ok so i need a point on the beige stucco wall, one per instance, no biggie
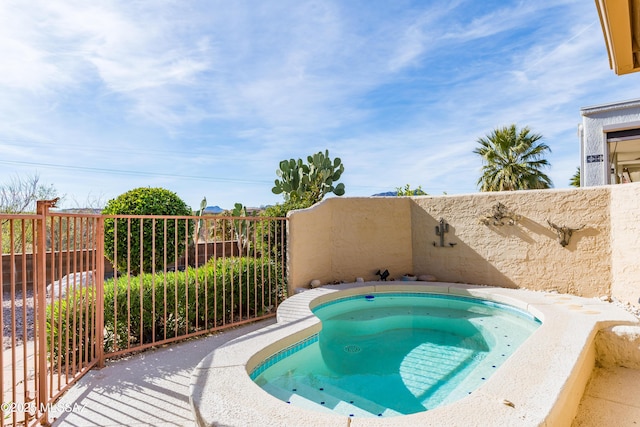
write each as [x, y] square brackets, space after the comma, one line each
[625, 242]
[344, 238]
[525, 255]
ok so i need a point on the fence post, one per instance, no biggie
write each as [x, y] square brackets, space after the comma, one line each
[98, 284]
[40, 285]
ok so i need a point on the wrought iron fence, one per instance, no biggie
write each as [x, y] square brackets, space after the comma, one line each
[32, 322]
[173, 278]
[189, 276]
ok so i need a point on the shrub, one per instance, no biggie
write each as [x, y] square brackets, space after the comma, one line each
[271, 238]
[173, 304]
[178, 303]
[146, 201]
[70, 328]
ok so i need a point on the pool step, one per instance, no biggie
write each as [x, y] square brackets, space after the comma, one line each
[329, 399]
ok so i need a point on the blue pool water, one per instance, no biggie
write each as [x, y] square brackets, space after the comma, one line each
[395, 354]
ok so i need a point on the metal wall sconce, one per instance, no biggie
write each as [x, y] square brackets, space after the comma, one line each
[564, 233]
[441, 229]
[500, 215]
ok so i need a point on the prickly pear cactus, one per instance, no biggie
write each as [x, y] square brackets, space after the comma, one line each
[311, 181]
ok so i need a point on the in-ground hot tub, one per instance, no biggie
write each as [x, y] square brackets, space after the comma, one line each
[540, 383]
[389, 354]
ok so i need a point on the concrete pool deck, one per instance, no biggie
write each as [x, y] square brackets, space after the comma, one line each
[542, 383]
[152, 389]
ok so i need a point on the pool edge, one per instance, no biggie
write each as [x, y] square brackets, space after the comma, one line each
[541, 360]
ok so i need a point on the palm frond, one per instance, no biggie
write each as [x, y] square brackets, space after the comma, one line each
[513, 160]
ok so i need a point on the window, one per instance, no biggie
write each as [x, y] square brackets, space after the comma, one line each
[624, 155]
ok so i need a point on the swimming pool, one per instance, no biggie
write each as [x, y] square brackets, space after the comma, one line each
[388, 354]
[540, 384]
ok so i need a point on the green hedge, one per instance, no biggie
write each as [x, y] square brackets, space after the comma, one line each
[220, 292]
[196, 299]
[71, 315]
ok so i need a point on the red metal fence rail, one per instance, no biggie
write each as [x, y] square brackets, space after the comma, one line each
[69, 310]
[33, 329]
[173, 278]
[18, 348]
[181, 282]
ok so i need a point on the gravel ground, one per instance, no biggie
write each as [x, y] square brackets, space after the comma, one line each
[627, 306]
[20, 320]
[635, 310]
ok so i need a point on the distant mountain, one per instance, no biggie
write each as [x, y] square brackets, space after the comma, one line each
[395, 193]
[213, 209]
[96, 211]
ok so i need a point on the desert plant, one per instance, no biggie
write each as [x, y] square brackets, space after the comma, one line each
[243, 229]
[158, 241]
[199, 223]
[407, 191]
[309, 182]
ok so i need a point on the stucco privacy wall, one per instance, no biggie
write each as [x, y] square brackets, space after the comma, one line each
[526, 254]
[625, 242]
[341, 239]
[344, 238]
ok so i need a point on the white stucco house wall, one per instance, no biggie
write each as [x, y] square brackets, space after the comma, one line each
[610, 143]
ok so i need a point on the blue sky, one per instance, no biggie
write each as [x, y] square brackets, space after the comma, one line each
[205, 98]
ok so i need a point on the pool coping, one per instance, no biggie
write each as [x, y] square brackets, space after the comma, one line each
[541, 384]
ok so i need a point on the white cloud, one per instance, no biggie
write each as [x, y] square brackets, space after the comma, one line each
[501, 20]
[225, 90]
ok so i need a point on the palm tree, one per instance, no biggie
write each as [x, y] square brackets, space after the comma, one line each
[575, 179]
[512, 160]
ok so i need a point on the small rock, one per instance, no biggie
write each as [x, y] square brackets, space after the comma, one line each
[72, 281]
[427, 278]
[315, 283]
[359, 280]
[605, 298]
